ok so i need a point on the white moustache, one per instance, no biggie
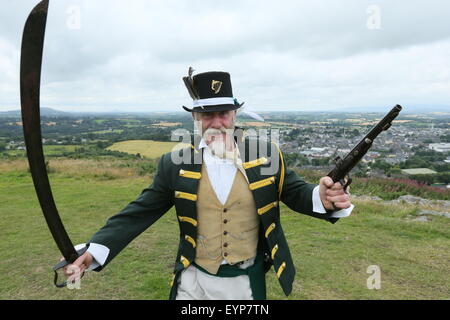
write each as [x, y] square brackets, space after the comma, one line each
[214, 131]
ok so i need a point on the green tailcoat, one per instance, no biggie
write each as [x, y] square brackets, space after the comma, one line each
[177, 184]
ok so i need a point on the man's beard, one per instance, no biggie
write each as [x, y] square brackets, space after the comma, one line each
[219, 140]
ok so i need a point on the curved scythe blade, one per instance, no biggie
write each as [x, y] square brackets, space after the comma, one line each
[30, 76]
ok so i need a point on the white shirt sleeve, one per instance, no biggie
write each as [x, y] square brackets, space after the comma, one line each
[98, 251]
[319, 208]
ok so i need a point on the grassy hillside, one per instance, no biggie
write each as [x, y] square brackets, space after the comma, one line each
[331, 260]
[146, 148]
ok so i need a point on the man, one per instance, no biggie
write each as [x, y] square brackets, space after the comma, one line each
[226, 192]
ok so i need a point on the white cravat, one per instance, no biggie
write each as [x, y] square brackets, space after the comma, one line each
[221, 172]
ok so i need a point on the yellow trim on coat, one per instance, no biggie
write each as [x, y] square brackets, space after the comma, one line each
[280, 184]
[274, 250]
[191, 240]
[261, 183]
[185, 195]
[254, 163]
[281, 269]
[190, 174]
[189, 220]
[269, 229]
[184, 261]
[267, 207]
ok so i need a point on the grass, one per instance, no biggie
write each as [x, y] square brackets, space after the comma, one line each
[146, 148]
[331, 260]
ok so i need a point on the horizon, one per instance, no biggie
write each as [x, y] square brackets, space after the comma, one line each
[415, 110]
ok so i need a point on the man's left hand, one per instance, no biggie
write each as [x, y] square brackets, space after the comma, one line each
[333, 193]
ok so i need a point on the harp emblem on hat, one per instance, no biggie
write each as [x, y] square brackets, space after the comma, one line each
[216, 86]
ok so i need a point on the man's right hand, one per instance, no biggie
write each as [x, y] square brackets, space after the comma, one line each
[78, 266]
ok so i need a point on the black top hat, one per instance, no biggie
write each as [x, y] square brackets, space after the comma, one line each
[210, 91]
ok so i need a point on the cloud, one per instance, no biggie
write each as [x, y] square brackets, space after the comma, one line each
[9, 77]
[289, 55]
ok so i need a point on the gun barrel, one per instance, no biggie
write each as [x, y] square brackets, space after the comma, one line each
[385, 123]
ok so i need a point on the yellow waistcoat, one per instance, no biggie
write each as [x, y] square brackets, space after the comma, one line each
[228, 231]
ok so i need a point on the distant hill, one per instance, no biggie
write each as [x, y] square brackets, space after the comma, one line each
[411, 109]
[50, 112]
[47, 112]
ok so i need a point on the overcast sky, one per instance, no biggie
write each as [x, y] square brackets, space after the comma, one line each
[102, 55]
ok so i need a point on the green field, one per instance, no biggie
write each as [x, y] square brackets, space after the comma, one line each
[48, 150]
[331, 260]
[146, 148]
[107, 131]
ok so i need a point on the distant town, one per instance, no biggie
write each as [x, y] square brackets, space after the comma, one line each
[416, 146]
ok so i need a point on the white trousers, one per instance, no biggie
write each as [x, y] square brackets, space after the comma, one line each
[197, 285]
